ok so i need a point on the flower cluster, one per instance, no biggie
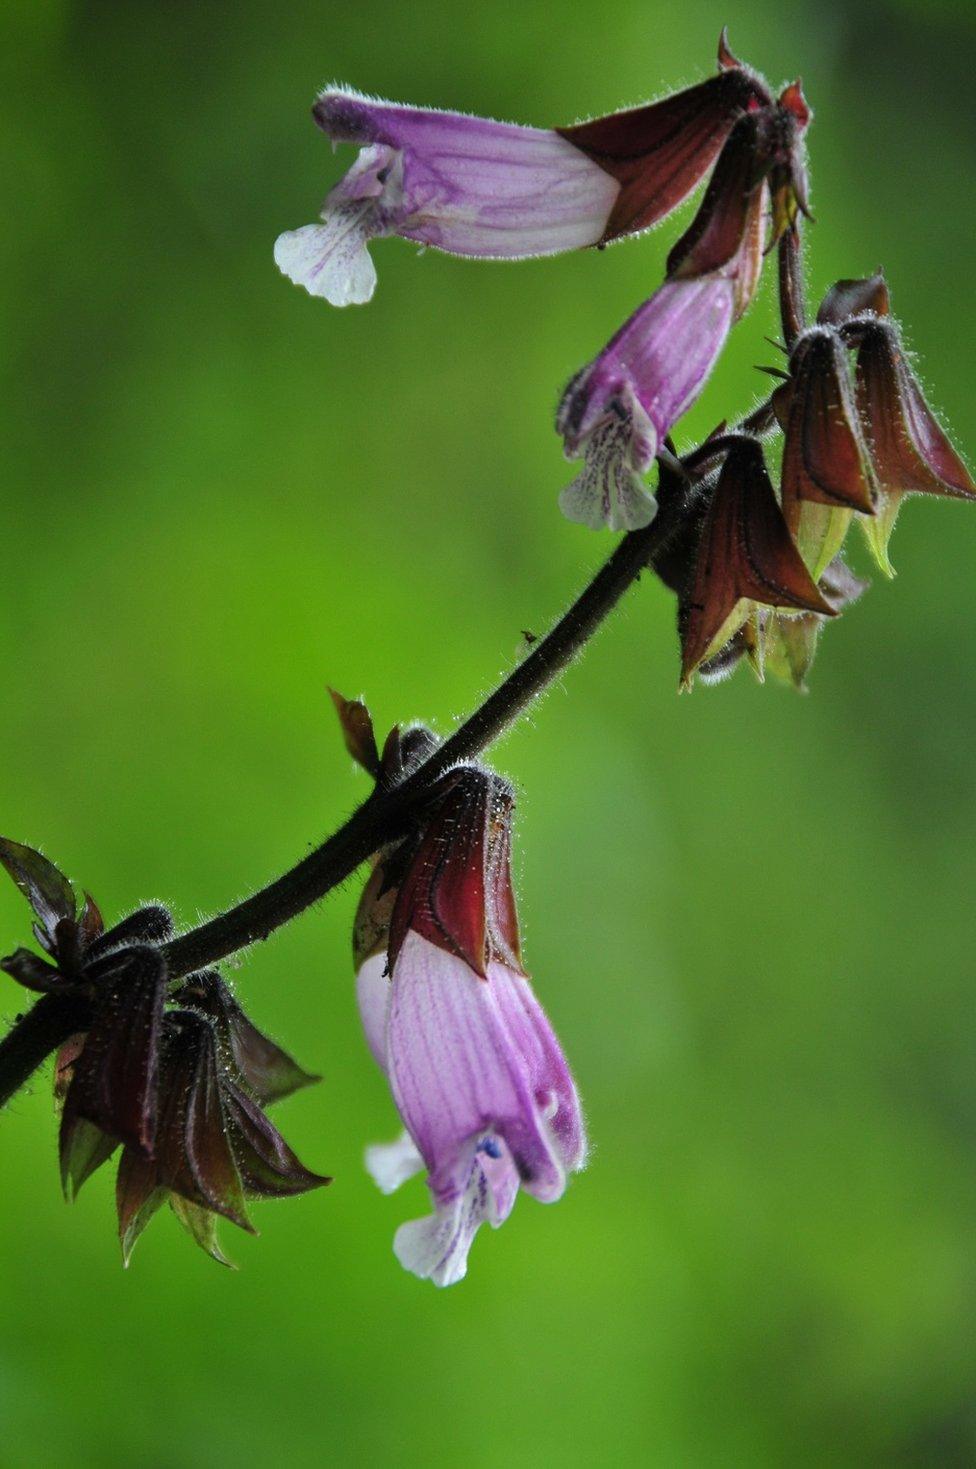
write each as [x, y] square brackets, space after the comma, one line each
[858, 437]
[155, 1059]
[174, 1075]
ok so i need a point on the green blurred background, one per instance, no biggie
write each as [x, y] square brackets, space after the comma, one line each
[749, 912]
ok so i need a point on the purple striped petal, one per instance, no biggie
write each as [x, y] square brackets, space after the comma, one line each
[616, 412]
[465, 185]
[457, 1072]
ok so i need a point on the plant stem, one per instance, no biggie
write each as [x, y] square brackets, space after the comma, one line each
[387, 813]
[47, 1025]
[792, 293]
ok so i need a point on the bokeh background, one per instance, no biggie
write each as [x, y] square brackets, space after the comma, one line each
[749, 912]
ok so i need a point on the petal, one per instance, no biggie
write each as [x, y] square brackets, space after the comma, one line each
[549, 1073]
[436, 1248]
[373, 990]
[390, 1164]
[608, 492]
[472, 186]
[330, 259]
[659, 360]
[456, 1072]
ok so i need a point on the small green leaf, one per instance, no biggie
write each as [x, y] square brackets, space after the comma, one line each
[201, 1225]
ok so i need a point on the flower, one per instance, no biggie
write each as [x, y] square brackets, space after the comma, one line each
[465, 185]
[476, 1072]
[471, 186]
[615, 413]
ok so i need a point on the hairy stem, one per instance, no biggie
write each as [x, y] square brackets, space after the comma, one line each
[792, 293]
[387, 813]
[47, 1025]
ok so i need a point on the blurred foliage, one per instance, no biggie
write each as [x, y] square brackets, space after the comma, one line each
[750, 913]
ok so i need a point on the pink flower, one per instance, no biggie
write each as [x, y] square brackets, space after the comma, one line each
[477, 1074]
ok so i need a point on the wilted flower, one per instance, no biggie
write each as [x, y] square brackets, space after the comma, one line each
[476, 1072]
[178, 1079]
[616, 412]
[471, 186]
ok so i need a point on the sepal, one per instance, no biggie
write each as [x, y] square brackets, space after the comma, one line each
[659, 153]
[267, 1070]
[456, 890]
[744, 554]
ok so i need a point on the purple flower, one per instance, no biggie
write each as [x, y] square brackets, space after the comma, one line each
[466, 185]
[616, 412]
[476, 1072]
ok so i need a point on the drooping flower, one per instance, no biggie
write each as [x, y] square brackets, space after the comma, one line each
[476, 1072]
[471, 186]
[615, 413]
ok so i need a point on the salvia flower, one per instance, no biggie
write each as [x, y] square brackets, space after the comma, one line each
[466, 185]
[177, 1078]
[471, 186]
[615, 413]
[477, 1075]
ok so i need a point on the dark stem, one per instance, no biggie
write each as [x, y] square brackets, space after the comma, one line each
[387, 813]
[792, 292]
[47, 1025]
